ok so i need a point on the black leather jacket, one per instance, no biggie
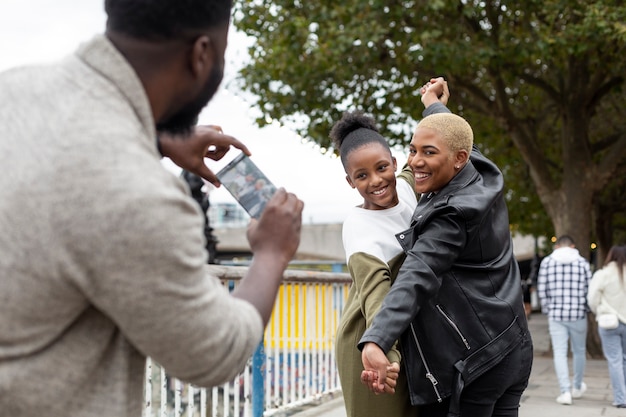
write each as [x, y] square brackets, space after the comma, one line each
[456, 304]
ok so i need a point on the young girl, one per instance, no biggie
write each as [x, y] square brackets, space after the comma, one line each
[373, 256]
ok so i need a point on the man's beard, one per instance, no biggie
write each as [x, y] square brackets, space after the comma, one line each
[182, 122]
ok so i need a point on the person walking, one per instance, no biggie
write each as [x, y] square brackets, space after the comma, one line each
[562, 287]
[607, 295]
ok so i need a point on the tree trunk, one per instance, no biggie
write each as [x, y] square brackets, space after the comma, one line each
[602, 221]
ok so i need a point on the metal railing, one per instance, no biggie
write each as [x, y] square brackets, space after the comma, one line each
[293, 366]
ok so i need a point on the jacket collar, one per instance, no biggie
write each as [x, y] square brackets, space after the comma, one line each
[103, 57]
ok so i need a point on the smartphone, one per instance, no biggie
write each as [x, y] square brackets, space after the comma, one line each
[247, 184]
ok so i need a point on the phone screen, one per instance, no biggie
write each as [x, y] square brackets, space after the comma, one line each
[247, 184]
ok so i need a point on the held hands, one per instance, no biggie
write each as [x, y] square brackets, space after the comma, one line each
[379, 375]
[436, 90]
[204, 142]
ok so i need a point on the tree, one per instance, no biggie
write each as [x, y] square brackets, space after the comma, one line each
[608, 214]
[540, 81]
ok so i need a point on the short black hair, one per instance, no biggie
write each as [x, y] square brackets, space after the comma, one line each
[353, 130]
[160, 20]
[565, 240]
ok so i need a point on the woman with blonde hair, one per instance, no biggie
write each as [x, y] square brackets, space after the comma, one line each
[606, 296]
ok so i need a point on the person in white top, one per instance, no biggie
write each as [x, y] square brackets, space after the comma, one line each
[607, 295]
[373, 254]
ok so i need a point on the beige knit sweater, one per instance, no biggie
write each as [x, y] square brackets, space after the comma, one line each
[101, 249]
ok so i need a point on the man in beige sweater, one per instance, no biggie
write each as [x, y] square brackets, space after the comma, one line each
[102, 249]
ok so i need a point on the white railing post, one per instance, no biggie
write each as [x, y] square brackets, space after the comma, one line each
[147, 411]
[163, 383]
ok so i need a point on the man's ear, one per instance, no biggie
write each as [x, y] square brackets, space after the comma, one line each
[350, 181]
[201, 57]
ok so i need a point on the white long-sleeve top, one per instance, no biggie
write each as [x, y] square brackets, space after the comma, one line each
[607, 294]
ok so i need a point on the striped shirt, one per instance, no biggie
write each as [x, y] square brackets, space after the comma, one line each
[562, 285]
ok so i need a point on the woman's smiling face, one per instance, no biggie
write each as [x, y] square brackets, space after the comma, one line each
[371, 169]
[432, 161]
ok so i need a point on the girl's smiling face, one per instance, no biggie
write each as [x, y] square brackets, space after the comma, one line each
[432, 161]
[371, 169]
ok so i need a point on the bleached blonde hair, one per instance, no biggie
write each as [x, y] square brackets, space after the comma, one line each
[455, 130]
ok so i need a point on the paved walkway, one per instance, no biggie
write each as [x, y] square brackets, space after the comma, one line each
[539, 397]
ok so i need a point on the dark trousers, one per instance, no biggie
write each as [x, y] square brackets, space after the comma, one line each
[497, 392]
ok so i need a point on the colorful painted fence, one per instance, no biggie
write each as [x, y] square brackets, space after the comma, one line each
[295, 365]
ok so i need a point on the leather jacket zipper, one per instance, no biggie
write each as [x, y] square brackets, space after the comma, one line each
[454, 326]
[429, 375]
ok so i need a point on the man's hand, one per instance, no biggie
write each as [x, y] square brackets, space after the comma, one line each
[277, 231]
[436, 90]
[204, 142]
[376, 368]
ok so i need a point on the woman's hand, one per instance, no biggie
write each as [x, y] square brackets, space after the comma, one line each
[375, 364]
[436, 90]
[391, 381]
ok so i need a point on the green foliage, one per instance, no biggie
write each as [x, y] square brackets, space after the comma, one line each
[541, 82]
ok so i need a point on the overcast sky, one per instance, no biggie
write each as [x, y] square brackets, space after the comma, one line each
[34, 31]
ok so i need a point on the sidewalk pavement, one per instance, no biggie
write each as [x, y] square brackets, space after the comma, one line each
[539, 399]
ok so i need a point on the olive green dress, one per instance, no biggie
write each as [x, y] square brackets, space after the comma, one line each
[374, 257]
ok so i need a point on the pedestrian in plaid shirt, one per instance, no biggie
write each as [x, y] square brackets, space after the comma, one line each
[562, 288]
